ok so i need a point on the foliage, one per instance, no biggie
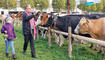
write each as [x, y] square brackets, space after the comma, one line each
[12, 4]
[103, 6]
[58, 4]
[100, 6]
[42, 4]
[62, 4]
[94, 8]
[23, 3]
[8, 4]
[97, 7]
[72, 4]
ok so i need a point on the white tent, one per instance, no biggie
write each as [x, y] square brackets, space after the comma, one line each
[19, 9]
[4, 11]
[78, 10]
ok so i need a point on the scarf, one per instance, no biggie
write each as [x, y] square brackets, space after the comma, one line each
[32, 24]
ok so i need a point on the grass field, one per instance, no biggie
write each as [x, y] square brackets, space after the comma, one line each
[45, 53]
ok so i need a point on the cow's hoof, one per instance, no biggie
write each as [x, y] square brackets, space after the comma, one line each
[91, 47]
[99, 51]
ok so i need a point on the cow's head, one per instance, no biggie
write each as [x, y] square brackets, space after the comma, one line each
[82, 27]
[38, 18]
[47, 20]
[38, 14]
[44, 19]
[12, 16]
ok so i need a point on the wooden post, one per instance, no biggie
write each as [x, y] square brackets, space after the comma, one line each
[69, 43]
[37, 32]
[49, 37]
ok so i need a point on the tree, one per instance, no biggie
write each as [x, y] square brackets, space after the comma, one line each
[94, 8]
[59, 4]
[72, 5]
[8, 4]
[103, 6]
[12, 4]
[42, 4]
[1, 3]
[99, 6]
[23, 3]
[83, 7]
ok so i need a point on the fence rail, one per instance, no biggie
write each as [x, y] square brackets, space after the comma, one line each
[69, 34]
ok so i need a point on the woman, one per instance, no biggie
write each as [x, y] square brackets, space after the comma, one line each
[29, 30]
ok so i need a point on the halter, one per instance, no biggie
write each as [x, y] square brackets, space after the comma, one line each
[77, 27]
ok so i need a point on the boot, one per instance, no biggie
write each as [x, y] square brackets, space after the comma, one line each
[24, 52]
[7, 55]
[14, 56]
[34, 56]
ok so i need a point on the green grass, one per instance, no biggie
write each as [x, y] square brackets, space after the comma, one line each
[45, 53]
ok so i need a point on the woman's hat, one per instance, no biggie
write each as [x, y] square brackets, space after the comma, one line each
[9, 18]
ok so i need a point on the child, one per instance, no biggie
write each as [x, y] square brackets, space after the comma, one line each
[8, 29]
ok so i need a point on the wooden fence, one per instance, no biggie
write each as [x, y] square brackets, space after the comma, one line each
[69, 34]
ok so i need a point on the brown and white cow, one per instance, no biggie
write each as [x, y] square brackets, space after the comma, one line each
[94, 27]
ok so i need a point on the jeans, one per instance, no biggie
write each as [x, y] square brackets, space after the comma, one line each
[11, 42]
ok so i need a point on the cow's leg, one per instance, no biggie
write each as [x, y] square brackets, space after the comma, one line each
[45, 33]
[57, 39]
[82, 42]
[104, 53]
[61, 40]
[55, 35]
[42, 32]
[73, 40]
[99, 48]
[18, 22]
[2, 21]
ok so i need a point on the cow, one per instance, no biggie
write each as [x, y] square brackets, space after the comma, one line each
[63, 22]
[2, 18]
[94, 27]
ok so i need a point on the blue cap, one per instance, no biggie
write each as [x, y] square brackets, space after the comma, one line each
[9, 18]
